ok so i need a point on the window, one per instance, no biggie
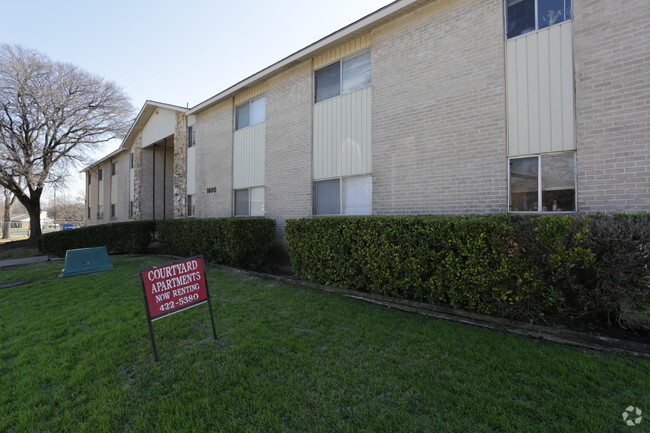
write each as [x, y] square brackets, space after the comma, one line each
[250, 113]
[343, 76]
[100, 175]
[343, 196]
[88, 212]
[131, 209]
[100, 212]
[524, 16]
[191, 136]
[546, 179]
[249, 202]
[89, 178]
[131, 157]
[112, 211]
[113, 168]
[190, 205]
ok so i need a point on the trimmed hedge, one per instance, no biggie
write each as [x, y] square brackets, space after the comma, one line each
[527, 268]
[233, 241]
[125, 237]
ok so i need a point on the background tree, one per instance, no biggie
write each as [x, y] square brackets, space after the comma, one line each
[8, 199]
[51, 113]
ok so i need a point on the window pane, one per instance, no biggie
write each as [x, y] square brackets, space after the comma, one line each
[190, 136]
[553, 11]
[328, 82]
[242, 116]
[357, 195]
[558, 182]
[257, 110]
[327, 197]
[241, 203]
[523, 184]
[257, 201]
[190, 206]
[520, 17]
[356, 72]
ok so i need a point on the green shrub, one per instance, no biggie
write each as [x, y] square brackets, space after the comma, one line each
[523, 267]
[234, 241]
[128, 237]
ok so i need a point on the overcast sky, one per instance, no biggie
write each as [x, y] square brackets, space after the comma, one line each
[177, 52]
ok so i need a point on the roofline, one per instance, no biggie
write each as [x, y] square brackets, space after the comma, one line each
[148, 103]
[366, 23]
[109, 156]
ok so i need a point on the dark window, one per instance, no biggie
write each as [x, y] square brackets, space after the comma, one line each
[100, 175]
[543, 183]
[190, 205]
[327, 197]
[342, 77]
[112, 211]
[191, 136]
[113, 168]
[242, 203]
[520, 15]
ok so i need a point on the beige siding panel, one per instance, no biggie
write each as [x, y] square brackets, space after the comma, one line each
[342, 135]
[511, 96]
[533, 93]
[114, 189]
[161, 124]
[522, 96]
[100, 198]
[544, 94]
[250, 93]
[555, 65]
[248, 164]
[540, 91]
[568, 113]
[342, 50]
[191, 170]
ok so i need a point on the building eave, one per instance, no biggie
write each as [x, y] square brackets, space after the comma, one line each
[364, 25]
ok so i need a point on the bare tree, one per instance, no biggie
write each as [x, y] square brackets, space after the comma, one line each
[8, 200]
[51, 113]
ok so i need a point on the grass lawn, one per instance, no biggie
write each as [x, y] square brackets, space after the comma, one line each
[76, 357]
[18, 253]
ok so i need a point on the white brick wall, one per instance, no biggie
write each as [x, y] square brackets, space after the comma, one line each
[289, 145]
[214, 141]
[612, 68]
[438, 119]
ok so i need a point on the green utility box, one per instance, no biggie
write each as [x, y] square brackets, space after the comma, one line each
[86, 261]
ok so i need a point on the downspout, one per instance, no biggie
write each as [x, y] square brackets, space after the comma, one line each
[165, 179]
[154, 182]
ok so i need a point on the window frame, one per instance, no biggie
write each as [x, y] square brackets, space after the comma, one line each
[248, 103]
[249, 189]
[189, 205]
[341, 204]
[537, 28]
[340, 63]
[540, 192]
[191, 136]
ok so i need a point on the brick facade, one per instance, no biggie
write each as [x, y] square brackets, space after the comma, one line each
[438, 115]
[288, 146]
[214, 152]
[438, 118]
[612, 70]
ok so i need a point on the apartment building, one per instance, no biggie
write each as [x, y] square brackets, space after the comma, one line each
[422, 107]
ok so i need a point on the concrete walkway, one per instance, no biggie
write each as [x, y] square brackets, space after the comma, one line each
[23, 261]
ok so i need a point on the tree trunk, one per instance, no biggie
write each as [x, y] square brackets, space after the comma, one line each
[34, 211]
[6, 220]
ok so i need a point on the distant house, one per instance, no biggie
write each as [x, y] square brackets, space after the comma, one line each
[22, 221]
[422, 107]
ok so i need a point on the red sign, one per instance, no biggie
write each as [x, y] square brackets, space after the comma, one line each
[174, 287]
